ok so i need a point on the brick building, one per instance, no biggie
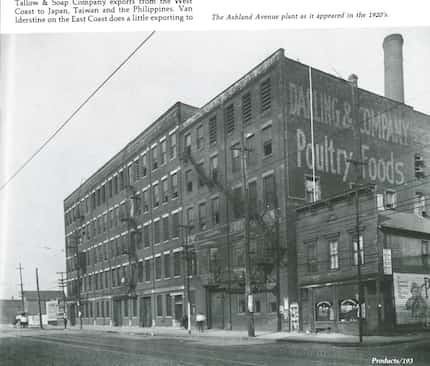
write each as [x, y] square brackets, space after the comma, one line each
[328, 257]
[297, 128]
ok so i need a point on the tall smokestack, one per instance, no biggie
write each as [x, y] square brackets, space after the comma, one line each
[393, 67]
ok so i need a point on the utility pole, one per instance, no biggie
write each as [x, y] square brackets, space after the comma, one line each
[248, 291]
[22, 288]
[358, 165]
[38, 299]
[62, 285]
[187, 258]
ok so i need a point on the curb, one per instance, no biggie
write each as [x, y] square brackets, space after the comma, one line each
[348, 344]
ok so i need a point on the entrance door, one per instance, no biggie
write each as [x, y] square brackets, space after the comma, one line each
[179, 309]
[72, 314]
[145, 312]
[217, 310]
[117, 313]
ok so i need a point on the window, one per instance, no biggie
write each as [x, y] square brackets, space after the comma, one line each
[324, 311]
[202, 216]
[334, 254]
[187, 143]
[214, 167]
[165, 188]
[158, 267]
[134, 306]
[155, 195]
[312, 188]
[199, 137]
[189, 180]
[173, 148]
[215, 211]
[137, 238]
[246, 108]
[136, 205]
[156, 232]
[140, 271]
[159, 305]
[235, 157]
[269, 192]
[167, 265]
[267, 140]
[145, 201]
[420, 204]
[425, 252]
[252, 196]
[213, 260]
[163, 151]
[168, 305]
[356, 249]
[212, 130]
[312, 257]
[146, 241]
[125, 307]
[175, 225]
[348, 310]
[265, 95]
[113, 277]
[174, 183]
[200, 169]
[115, 184]
[136, 170]
[251, 153]
[190, 216]
[229, 118]
[130, 174]
[237, 203]
[154, 156]
[144, 165]
[165, 228]
[103, 193]
[176, 264]
[390, 199]
[121, 180]
[147, 270]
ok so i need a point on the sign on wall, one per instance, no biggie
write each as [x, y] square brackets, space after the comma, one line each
[412, 298]
[52, 310]
[388, 267]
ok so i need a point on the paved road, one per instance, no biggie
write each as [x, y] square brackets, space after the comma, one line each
[58, 348]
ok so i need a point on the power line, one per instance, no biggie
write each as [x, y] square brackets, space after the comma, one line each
[75, 112]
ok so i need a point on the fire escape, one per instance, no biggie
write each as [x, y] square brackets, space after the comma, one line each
[128, 216]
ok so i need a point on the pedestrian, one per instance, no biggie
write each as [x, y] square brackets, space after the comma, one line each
[200, 319]
[65, 322]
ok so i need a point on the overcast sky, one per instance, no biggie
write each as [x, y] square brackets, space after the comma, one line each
[44, 77]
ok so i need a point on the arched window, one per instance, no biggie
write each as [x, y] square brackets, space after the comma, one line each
[348, 310]
[324, 311]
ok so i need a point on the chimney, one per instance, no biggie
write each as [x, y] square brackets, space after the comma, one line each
[393, 67]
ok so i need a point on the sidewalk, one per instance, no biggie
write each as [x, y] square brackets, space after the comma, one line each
[338, 339]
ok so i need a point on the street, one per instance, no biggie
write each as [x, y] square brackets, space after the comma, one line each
[73, 347]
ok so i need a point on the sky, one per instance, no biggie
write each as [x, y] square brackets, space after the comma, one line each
[43, 78]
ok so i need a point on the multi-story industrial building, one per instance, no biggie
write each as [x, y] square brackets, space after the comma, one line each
[124, 264]
[287, 133]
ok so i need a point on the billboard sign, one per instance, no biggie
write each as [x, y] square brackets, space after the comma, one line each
[412, 298]
[52, 310]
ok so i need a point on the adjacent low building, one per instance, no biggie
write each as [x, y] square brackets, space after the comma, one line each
[393, 252]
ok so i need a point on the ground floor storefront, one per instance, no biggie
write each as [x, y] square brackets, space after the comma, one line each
[397, 302]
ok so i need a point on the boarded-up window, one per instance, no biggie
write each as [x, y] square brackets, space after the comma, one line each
[229, 118]
[246, 108]
[265, 95]
[212, 130]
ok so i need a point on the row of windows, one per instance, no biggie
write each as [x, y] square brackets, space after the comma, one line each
[313, 258]
[229, 117]
[165, 266]
[138, 169]
[96, 309]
